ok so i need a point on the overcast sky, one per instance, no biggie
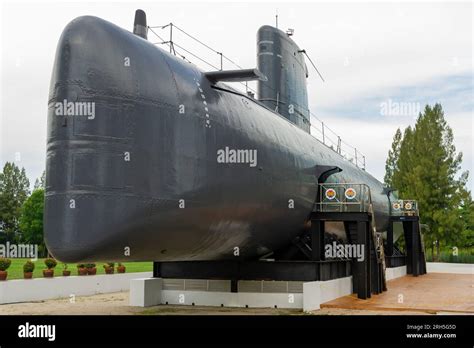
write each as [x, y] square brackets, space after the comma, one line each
[368, 53]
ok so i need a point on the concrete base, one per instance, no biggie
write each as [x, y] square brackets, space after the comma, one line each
[455, 268]
[154, 291]
[145, 292]
[395, 272]
[39, 289]
[232, 299]
[315, 293]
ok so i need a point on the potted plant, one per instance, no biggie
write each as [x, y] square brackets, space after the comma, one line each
[28, 269]
[120, 268]
[4, 264]
[109, 268]
[49, 271]
[91, 270]
[66, 272]
[81, 269]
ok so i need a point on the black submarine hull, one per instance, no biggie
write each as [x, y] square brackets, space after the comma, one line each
[140, 178]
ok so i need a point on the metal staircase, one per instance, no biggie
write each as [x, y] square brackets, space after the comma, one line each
[379, 254]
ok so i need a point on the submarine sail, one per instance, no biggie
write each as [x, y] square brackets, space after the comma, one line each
[281, 60]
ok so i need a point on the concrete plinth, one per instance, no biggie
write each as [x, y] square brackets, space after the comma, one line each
[253, 294]
[395, 272]
[145, 292]
[315, 293]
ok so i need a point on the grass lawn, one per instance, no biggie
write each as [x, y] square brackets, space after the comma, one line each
[464, 255]
[16, 268]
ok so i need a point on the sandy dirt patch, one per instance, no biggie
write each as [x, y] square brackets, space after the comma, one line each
[117, 304]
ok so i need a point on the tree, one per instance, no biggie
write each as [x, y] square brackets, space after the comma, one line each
[14, 189]
[466, 215]
[392, 159]
[40, 182]
[427, 170]
[402, 169]
[31, 220]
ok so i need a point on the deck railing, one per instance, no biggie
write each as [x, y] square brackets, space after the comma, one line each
[405, 207]
[343, 197]
[169, 34]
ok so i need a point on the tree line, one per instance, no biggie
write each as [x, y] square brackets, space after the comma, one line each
[423, 164]
[21, 211]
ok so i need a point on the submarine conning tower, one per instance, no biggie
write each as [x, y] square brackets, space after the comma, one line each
[281, 60]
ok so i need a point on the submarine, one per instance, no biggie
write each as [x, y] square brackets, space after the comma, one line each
[150, 158]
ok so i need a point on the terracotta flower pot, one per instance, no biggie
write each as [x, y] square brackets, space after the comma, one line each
[121, 269]
[66, 273]
[109, 270]
[91, 271]
[48, 273]
[3, 275]
[82, 271]
[27, 275]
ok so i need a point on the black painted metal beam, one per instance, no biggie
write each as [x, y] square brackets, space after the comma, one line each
[235, 75]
